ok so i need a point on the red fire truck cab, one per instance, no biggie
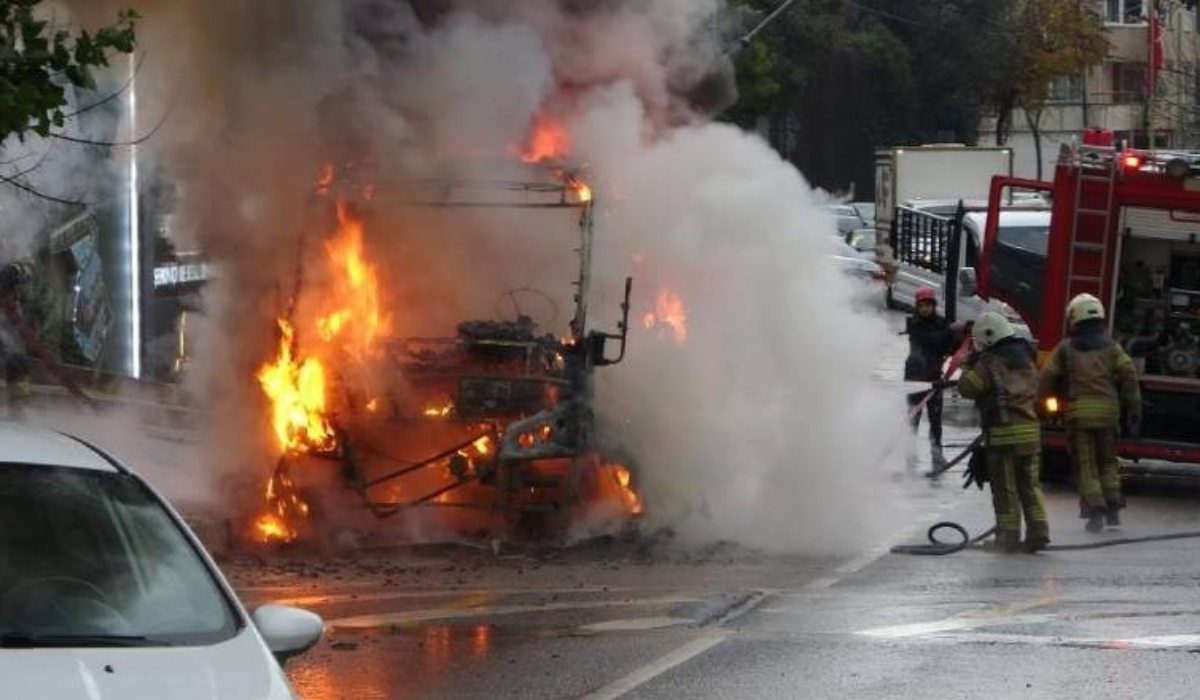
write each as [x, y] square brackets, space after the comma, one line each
[1125, 226]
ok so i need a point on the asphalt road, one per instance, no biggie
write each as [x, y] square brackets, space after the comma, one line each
[647, 619]
[602, 622]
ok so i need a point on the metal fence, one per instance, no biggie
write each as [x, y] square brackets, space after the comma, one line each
[921, 239]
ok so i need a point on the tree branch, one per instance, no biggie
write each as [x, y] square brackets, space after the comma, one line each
[114, 144]
[120, 91]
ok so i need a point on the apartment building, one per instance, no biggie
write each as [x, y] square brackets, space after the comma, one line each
[1116, 94]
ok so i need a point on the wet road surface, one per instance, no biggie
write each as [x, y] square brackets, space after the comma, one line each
[630, 619]
[1118, 622]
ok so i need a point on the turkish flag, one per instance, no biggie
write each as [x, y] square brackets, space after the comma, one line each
[1157, 59]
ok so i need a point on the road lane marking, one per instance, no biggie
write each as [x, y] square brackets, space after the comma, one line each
[659, 666]
[1014, 614]
[636, 624]
[681, 655]
[408, 617]
[926, 629]
[1159, 643]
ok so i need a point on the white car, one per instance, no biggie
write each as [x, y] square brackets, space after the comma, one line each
[105, 593]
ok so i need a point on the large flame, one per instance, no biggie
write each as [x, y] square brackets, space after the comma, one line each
[297, 390]
[357, 321]
[670, 313]
[346, 328]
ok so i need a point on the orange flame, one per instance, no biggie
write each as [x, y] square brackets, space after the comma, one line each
[296, 389]
[581, 190]
[629, 497]
[548, 140]
[356, 289]
[284, 507]
[438, 411]
[272, 528]
[669, 311]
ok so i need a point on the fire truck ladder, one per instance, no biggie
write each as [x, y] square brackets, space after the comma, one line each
[1086, 160]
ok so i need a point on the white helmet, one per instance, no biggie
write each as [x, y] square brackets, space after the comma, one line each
[1084, 307]
[990, 328]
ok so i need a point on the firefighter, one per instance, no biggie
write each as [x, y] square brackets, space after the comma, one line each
[1002, 378]
[930, 341]
[18, 341]
[13, 278]
[1100, 384]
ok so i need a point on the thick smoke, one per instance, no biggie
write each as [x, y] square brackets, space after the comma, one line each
[761, 427]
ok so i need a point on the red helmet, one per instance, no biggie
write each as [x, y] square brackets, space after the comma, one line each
[926, 294]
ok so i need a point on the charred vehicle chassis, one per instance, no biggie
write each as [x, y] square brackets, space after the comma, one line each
[509, 411]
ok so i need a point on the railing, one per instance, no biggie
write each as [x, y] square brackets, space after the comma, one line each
[921, 239]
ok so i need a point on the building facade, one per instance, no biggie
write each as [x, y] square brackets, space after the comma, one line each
[1147, 102]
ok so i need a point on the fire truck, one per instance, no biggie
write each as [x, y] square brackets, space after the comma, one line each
[1125, 226]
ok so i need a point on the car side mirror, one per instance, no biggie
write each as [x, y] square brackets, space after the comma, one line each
[966, 282]
[288, 631]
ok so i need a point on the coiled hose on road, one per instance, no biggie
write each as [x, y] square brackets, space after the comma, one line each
[937, 547]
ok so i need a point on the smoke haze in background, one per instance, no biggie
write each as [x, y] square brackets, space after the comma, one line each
[764, 427]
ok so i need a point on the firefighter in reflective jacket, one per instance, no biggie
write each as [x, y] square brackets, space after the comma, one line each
[1002, 378]
[1097, 378]
[19, 342]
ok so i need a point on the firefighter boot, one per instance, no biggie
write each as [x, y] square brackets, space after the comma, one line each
[1035, 542]
[1112, 518]
[1005, 542]
[1096, 518]
[937, 460]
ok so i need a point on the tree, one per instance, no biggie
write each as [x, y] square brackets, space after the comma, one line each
[39, 62]
[844, 77]
[1054, 39]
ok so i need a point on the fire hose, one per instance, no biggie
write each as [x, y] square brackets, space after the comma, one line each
[939, 547]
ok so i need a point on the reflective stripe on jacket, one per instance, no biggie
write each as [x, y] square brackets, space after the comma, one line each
[1003, 381]
[1095, 383]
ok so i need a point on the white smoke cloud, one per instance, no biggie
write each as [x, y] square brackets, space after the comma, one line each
[763, 427]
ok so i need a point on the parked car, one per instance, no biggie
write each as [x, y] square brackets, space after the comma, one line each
[848, 218]
[850, 262]
[862, 241]
[106, 593]
[866, 212]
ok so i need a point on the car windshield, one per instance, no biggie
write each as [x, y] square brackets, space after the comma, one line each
[866, 210]
[93, 558]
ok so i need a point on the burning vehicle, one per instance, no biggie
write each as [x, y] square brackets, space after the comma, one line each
[496, 418]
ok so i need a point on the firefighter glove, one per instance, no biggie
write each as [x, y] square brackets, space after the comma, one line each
[1133, 424]
[976, 472]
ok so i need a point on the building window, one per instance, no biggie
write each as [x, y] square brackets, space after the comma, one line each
[1136, 138]
[1066, 88]
[1129, 82]
[1125, 11]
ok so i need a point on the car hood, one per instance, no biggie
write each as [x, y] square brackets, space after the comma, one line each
[238, 669]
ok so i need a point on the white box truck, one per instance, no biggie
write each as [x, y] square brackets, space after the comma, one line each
[906, 174]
